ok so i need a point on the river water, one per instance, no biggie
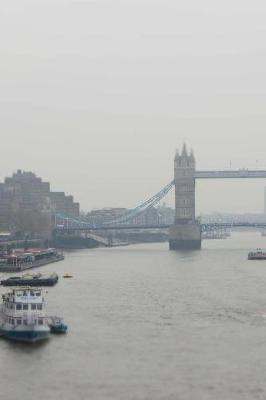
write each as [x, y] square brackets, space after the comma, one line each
[148, 324]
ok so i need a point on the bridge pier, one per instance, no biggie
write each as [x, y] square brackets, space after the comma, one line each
[186, 232]
[185, 237]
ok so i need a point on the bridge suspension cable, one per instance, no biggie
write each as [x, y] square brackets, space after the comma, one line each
[154, 200]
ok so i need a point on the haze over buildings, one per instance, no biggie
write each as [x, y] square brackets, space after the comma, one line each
[27, 203]
[97, 95]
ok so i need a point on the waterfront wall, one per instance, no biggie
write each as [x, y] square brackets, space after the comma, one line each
[74, 242]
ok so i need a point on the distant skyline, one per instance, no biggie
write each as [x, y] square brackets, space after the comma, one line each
[97, 95]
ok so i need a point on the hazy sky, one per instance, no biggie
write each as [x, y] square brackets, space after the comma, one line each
[95, 95]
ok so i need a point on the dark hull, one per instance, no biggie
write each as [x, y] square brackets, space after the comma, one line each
[30, 282]
[58, 329]
[26, 337]
[256, 258]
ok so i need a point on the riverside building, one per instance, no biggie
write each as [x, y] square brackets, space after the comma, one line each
[27, 204]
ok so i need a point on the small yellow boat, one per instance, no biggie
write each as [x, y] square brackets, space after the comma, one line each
[67, 276]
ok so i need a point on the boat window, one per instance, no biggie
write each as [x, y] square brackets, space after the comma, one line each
[38, 293]
[33, 306]
[19, 321]
[40, 321]
[39, 306]
[25, 307]
[32, 293]
[24, 293]
[18, 307]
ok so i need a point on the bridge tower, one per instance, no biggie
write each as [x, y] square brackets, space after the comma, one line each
[186, 232]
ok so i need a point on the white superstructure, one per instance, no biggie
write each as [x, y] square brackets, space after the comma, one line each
[23, 315]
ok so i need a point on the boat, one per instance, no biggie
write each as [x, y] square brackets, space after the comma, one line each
[67, 276]
[57, 325]
[257, 254]
[31, 280]
[21, 260]
[23, 315]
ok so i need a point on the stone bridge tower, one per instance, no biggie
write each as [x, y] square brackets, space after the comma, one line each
[185, 233]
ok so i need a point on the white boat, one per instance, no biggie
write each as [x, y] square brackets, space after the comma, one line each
[23, 315]
[258, 254]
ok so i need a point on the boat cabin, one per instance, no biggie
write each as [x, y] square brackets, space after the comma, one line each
[24, 306]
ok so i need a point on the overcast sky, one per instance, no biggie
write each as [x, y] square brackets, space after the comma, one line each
[96, 95]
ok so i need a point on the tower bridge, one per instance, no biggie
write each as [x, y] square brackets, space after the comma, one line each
[185, 233]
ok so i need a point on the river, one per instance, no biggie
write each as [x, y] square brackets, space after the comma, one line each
[149, 324]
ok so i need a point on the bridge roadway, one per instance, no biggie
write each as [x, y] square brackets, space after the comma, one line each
[112, 228]
[204, 226]
[260, 225]
[228, 174]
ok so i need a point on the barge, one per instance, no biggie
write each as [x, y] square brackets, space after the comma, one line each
[31, 280]
[22, 260]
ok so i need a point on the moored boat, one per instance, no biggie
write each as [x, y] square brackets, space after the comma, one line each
[57, 325]
[31, 280]
[23, 315]
[257, 254]
[20, 260]
[66, 275]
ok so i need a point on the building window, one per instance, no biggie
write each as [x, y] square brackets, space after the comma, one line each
[25, 307]
[33, 306]
[19, 307]
[40, 321]
[39, 306]
[19, 321]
